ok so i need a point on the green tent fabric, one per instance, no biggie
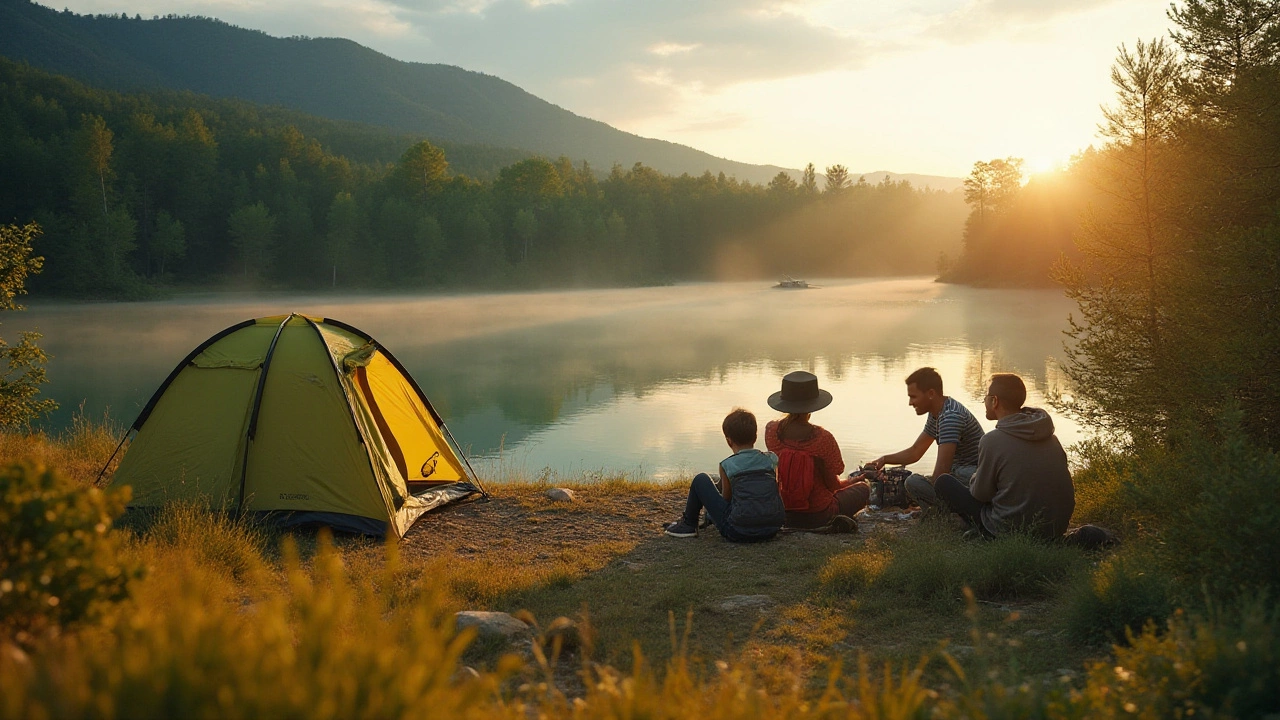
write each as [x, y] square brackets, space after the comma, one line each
[298, 419]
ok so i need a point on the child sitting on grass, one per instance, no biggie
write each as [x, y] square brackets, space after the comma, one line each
[746, 507]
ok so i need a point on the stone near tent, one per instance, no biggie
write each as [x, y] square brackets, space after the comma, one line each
[561, 495]
[739, 603]
[491, 624]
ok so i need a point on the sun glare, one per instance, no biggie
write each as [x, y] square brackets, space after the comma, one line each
[1041, 164]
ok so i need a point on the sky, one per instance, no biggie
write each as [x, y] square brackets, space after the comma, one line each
[920, 86]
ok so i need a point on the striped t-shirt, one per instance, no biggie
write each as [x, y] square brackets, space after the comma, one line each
[955, 424]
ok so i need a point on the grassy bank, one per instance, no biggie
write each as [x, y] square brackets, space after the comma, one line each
[220, 617]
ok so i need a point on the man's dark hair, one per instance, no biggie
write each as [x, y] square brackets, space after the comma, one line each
[926, 378]
[740, 427]
[1010, 389]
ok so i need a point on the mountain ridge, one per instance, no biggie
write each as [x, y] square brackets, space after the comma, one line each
[340, 79]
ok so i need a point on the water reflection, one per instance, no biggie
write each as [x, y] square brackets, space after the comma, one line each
[633, 380]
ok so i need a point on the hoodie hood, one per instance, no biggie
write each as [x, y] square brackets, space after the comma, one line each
[1027, 424]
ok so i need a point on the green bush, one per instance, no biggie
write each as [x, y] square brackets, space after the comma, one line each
[309, 644]
[1100, 474]
[1122, 596]
[59, 560]
[1212, 511]
[932, 565]
[1224, 664]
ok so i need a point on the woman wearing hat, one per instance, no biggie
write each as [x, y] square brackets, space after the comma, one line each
[794, 434]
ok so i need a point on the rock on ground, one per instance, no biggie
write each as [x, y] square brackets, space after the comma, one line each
[737, 603]
[491, 624]
[561, 495]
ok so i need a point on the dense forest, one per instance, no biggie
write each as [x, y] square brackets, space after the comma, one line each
[134, 191]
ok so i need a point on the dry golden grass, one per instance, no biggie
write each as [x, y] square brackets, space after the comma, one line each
[78, 453]
[231, 620]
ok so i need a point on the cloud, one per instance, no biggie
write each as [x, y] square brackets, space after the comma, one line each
[642, 57]
[616, 60]
[982, 19]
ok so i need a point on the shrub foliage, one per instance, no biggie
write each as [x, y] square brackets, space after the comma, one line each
[59, 556]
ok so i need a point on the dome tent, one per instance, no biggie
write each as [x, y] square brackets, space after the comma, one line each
[298, 419]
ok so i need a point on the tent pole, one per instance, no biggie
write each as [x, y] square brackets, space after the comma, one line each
[257, 407]
[113, 456]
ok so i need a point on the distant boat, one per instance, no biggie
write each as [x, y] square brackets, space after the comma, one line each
[791, 283]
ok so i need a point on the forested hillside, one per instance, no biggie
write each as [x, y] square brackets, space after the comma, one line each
[331, 78]
[135, 191]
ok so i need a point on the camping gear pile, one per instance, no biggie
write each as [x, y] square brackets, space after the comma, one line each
[888, 486]
[298, 420]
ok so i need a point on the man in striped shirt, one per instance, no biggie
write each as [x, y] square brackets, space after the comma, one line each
[950, 424]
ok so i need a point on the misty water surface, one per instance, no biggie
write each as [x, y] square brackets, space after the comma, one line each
[631, 380]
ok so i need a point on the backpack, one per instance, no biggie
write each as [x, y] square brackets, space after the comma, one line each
[795, 478]
[756, 508]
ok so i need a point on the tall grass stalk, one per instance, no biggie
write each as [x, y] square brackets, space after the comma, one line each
[79, 452]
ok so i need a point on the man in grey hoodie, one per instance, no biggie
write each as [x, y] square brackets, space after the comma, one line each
[1022, 482]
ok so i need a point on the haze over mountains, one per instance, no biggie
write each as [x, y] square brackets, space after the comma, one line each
[342, 80]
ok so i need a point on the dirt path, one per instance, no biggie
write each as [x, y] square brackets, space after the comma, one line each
[524, 517]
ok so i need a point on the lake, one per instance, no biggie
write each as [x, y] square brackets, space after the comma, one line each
[574, 383]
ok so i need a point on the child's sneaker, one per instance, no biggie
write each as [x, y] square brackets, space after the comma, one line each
[678, 529]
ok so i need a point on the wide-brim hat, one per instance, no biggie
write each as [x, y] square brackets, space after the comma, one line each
[799, 394]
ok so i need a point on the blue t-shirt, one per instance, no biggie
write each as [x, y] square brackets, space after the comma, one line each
[749, 460]
[955, 424]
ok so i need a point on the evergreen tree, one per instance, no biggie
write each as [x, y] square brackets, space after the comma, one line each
[782, 186]
[1230, 190]
[837, 179]
[1121, 362]
[809, 180]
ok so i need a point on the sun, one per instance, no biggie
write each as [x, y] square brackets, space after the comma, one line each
[1042, 163]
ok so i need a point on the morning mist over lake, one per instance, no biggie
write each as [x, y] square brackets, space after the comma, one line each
[607, 360]
[631, 380]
